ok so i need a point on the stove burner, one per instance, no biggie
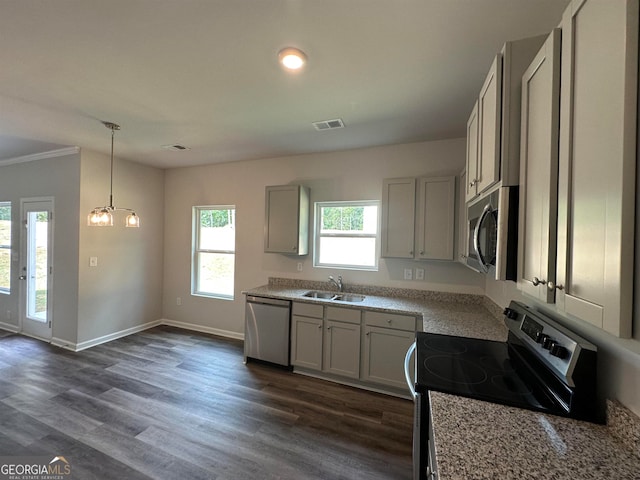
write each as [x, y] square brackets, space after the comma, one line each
[445, 344]
[491, 363]
[455, 370]
[510, 384]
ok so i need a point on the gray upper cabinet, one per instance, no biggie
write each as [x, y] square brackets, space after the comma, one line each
[286, 227]
[426, 232]
[398, 217]
[539, 172]
[597, 163]
[493, 129]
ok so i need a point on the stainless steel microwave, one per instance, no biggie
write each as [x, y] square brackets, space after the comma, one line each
[492, 234]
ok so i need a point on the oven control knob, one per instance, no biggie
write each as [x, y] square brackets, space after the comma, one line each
[510, 313]
[548, 342]
[557, 350]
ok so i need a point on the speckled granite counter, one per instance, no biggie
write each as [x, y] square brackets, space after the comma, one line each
[480, 440]
[447, 313]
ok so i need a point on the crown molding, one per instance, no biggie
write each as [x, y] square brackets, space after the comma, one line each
[60, 152]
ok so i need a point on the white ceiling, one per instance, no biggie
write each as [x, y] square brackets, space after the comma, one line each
[204, 73]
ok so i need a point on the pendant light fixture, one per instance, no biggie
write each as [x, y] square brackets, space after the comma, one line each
[103, 216]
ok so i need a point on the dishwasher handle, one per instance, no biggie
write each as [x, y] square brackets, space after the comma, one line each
[407, 373]
[268, 301]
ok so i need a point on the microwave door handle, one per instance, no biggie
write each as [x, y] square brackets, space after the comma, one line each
[476, 237]
[407, 373]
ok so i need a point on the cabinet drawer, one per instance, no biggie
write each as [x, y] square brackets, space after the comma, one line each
[307, 310]
[348, 315]
[390, 320]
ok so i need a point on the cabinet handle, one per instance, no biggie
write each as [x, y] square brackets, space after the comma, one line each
[421, 252]
[293, 248]
[319, 326]
[389, 321]
[537, 281]
[473, 182]
[410, 252]
[367, 334]
[552, 286]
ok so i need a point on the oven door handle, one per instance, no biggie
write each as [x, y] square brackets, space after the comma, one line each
[476, 237]
[407, 373]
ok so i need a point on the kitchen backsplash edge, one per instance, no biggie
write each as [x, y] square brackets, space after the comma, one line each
[465, 298]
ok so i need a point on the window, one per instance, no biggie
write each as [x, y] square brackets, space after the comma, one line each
[5, 247]
[214, 240]
[346, 235]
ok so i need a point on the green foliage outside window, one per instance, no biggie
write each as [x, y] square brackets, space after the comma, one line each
[216, 218]
[343, 218]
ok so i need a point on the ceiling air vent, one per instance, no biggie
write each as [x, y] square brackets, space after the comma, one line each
[328, 124]
[175, 148]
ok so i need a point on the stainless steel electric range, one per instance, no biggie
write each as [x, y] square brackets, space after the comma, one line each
[542, 366]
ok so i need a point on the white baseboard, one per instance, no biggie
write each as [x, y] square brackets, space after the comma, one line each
[116, 335]
[203, 329]
[76, 347]
[9, 327]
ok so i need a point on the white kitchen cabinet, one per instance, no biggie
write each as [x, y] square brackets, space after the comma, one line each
[398, 217]
[493, 128]
[386, 340]
[597, 163]
[287, 220]
[306, 335]
[435, 225]
[342, 342]
[430, 227]
[539, 172]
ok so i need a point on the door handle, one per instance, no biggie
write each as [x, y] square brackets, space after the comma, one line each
[22, 277]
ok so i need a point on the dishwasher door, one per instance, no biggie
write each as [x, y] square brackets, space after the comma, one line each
[266, 333]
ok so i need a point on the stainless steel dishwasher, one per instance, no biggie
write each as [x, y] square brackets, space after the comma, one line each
[266, 331]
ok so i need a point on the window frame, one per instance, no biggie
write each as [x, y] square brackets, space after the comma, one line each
[7, 291]
[317, 235]
[196, 251]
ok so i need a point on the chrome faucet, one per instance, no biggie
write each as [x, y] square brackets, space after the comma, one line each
[339, 285]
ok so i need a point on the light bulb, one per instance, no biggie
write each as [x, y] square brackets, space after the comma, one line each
[292, 58]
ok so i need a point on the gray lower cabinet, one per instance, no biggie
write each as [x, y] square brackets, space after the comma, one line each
[353, 344]
[306, 335]
[386, 340]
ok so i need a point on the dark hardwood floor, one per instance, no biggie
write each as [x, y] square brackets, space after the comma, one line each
[173, 404]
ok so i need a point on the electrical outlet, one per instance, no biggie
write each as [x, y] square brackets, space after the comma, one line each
[299, 266]
[178, 300]
[408, 274]
[419, 273]
[93, 261]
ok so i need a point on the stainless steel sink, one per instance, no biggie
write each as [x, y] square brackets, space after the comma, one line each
[349, 297]
[340, 297]
[321, 295]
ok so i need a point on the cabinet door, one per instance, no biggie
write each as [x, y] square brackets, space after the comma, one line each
[306, 342]
[539, 171]
[597, 163]
[489, 120]
[435, 227]
[398, 217]
[342, 349]
[286, 220]
[472, 154]
[384, 351]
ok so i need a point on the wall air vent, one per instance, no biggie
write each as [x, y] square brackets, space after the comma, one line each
[328, 124]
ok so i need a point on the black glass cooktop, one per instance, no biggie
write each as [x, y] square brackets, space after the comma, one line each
[481, 369]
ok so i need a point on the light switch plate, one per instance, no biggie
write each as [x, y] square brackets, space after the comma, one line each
[408, 274]
[93, 261]
[419, 273]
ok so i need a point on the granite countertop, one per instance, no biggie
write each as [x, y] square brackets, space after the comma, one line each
[444, 313]
[481, 440]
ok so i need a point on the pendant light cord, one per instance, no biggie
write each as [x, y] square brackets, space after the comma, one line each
[111, 185]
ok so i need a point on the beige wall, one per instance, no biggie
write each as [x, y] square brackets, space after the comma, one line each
[57, 177]
[618, 360]
[348, 175]
[125, 290]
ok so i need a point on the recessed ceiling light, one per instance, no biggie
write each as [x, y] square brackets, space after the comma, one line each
[292, 58]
